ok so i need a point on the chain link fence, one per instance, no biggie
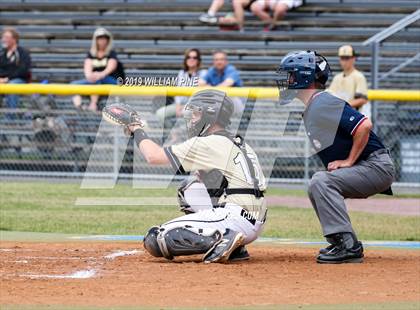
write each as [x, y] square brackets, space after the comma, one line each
[395, 61]
[398, 124]
[48, 137]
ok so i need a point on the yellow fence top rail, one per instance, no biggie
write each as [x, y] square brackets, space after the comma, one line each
[114, 90]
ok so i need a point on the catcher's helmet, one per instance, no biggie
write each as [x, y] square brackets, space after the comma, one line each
[298, 70]
[206, 108]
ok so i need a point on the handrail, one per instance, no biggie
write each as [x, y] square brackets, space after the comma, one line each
[397, 26]
[400, 66]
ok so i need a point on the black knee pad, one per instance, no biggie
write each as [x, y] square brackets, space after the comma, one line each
[179, 241]
[186, 240]
[150, 242]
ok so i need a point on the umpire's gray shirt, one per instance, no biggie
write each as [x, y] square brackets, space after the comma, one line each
[330, 125]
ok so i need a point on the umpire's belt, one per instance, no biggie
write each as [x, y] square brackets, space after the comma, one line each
[380, 152]
[244, 191]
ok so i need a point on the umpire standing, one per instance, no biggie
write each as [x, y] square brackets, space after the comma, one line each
[357, 163]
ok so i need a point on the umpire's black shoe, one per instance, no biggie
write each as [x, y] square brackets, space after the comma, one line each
[326, 249]
[221, 252]
[339, 254]
[239, 254]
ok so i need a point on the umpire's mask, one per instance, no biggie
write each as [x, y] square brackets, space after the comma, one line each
[298, 70]
[206, 108]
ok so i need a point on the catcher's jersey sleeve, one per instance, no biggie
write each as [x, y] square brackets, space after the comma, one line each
[198, 153]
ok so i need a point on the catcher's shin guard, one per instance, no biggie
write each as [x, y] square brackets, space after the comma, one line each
[186, 241]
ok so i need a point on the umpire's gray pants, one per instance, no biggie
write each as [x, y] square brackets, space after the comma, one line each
[327, 190]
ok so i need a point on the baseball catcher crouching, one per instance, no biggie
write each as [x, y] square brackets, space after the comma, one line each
[224, 200]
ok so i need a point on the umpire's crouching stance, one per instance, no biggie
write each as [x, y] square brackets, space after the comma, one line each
[358, 165]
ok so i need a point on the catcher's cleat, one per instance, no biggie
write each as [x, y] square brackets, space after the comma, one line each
[239, 254]
[340, 254]
[220, 253]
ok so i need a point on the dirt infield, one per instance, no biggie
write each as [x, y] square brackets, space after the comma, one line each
[121, 274]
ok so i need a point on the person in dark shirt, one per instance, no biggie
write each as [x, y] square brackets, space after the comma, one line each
[357, 163]
[330, 119]
[15, 63]
[101, 66]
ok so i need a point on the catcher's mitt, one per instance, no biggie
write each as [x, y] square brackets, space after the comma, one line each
[121, 114]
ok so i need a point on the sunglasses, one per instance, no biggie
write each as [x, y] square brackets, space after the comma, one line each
[345, 57]
[192, 57]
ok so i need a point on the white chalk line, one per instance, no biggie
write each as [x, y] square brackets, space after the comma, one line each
[121, 253]
[80, 274]
[56, 258]
[16, 250]
[24, 261]
[59, 258]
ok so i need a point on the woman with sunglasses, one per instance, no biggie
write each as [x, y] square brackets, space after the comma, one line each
[188, 76]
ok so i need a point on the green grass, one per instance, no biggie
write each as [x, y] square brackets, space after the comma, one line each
[50, 207]
[302, 193]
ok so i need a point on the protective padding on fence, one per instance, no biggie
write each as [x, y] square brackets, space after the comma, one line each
[261, 93]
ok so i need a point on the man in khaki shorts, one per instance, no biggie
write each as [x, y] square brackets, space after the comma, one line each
[271, 11]
[350, 85]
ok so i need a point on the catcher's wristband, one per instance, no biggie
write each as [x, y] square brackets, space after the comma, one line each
[140, 135]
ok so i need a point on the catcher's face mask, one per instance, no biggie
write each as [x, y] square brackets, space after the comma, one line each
[196, 123]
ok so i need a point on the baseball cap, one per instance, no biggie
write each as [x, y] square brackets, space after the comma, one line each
[101, 32]
[346, 51]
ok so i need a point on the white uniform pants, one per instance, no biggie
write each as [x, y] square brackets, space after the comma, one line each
[230, 216]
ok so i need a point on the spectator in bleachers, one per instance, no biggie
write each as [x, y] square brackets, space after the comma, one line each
[101, 66]
[189, 75]
[15, 63]
[223, 74]
[210, 16]
[239, 7]
[270, 11]
[350, 85]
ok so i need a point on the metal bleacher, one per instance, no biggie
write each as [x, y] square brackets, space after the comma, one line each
[58, 29]
[150, 38]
